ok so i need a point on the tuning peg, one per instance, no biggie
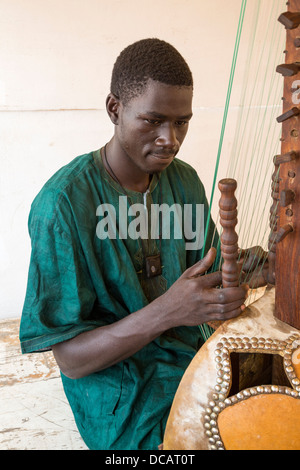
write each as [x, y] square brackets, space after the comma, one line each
[290, 20]
[287, 196]
[289, 114]
[283, 232]
[288, 70]
[287, 157]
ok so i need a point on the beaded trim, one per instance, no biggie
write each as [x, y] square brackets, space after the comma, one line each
[219, 400]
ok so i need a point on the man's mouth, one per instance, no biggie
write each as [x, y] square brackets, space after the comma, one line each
[163, 156]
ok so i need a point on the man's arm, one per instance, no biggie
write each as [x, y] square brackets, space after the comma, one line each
[192, 300]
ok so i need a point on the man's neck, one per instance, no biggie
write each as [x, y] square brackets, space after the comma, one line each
[128, 175]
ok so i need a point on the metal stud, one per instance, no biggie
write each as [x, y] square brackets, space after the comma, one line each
[223, 368]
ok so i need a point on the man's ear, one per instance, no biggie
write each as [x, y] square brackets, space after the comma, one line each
[112, 106]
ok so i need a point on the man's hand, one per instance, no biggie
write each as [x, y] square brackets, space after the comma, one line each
[192, 300]
[253, 265]
[196, 298]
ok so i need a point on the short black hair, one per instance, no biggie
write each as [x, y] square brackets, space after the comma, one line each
[148, 59]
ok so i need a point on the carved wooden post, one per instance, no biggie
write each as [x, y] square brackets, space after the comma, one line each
[287, 279]
[229, 238]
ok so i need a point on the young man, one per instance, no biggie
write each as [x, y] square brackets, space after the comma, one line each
[121, 312]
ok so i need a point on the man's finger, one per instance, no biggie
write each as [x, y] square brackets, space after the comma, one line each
[203, 265]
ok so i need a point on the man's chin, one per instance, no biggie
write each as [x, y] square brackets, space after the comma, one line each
[158, 163]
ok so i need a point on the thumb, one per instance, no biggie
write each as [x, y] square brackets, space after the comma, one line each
[203, 265]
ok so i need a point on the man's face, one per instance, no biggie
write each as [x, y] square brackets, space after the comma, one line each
[152, 126]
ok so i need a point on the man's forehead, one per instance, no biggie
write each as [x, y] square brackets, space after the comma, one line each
[159, 99]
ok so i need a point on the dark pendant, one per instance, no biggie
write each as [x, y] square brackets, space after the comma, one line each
[153, 266]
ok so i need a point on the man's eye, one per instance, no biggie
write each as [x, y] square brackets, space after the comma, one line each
[154, 122]
[181, 123]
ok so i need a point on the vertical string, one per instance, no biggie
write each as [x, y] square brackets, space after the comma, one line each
[255, 160]
[261, 135]
[229, 91]
[206, 330]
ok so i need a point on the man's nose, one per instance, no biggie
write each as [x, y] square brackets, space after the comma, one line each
[167, 137]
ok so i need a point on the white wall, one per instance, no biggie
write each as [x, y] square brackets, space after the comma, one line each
[56, 58]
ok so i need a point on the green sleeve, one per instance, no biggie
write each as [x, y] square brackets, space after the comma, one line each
[60, 294]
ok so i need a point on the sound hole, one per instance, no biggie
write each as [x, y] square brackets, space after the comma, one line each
[254, 369]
